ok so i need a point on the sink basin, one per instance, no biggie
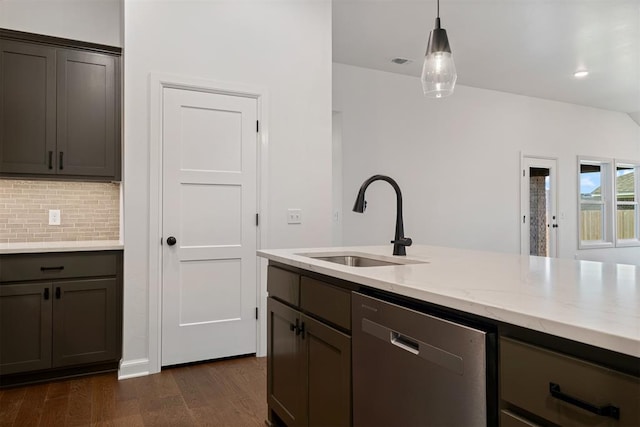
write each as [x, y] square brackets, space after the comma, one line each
[356, 261]
[360, 260]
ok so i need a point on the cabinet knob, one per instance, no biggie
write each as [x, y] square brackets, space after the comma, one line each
[171, 241]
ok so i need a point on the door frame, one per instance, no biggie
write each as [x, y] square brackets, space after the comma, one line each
[524, 202]
[157, 83]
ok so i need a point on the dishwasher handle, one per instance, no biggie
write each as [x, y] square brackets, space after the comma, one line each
[404, 342]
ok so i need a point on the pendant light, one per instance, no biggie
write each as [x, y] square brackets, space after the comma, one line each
[438, 71]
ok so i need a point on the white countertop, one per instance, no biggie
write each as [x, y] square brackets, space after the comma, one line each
[37, 247]
[590, 302]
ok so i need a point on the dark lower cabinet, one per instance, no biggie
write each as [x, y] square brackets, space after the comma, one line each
[61, 327]
[84, 322]
[543, 387]
[309, 364]
[25, 327]
[309, 369]
[286, 379]
[327, 365]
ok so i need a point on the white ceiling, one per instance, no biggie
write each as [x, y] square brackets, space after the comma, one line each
[528, 47]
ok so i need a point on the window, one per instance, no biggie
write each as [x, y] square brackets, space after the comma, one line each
[608, 203]
[596, 225]
[627, 214]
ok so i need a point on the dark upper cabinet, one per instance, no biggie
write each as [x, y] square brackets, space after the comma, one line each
[59, 109]
[86, 113]
[27, 107]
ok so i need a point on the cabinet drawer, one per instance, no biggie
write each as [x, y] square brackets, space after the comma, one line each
[326, 301]
[526, 375]
[52, 266]
[283, 285]
[509, 419]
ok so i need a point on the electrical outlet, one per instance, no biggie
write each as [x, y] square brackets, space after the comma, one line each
[54, 216]
[294, 216]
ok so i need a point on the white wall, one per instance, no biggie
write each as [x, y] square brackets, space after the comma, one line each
[95, 21]
[283, 46]
[336, 186]
[457, 160]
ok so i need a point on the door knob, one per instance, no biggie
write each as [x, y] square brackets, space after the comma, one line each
[171, 240]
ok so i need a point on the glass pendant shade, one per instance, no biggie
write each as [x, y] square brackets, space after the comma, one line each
[438, 71]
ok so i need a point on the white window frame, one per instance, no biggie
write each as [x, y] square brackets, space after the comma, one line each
[636, 166]
[607, 195]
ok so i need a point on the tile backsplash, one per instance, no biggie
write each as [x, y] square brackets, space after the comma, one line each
[88, 211]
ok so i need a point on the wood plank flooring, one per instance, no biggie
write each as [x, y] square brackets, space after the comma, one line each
[222, 393]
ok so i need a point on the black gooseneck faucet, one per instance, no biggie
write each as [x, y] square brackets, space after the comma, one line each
[399, 241]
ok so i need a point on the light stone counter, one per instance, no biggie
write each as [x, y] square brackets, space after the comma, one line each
[44, 247]
[585, 301]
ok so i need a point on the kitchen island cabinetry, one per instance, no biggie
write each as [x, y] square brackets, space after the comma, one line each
[59, 108]
[309, 352]
[542, 386]
[556, 361]
[61, 314]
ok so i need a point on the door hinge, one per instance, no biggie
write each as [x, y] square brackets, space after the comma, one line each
[256, 313]
[257, 219]
[257, 126]
[522, 172]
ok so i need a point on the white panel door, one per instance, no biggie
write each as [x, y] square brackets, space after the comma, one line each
[209, 206]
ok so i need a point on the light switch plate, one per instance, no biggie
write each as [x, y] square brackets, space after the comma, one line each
[294, 216]
[54, 216]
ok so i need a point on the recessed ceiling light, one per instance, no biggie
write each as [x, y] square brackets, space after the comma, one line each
[400, 61]
[580, 74]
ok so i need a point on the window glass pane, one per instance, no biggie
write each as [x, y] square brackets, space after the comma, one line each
[626, 225]
[592, 222]
[590, 180]
[625, 184]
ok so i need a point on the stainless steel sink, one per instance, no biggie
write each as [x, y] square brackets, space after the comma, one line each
[361, 260]
[356, 261]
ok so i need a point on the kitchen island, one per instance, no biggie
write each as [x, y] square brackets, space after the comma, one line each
[570, 310]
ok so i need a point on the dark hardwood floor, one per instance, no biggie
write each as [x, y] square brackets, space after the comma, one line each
[223, 393]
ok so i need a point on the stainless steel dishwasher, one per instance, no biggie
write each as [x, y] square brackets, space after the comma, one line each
[414, 369]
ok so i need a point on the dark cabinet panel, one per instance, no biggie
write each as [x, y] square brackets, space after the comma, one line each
[56, 266]
[27, 108]
[328, 302]
[60, 314]
[309, 362]
[86, 131]
[284, 380]
[327, 365]
[84, 322]
[566, 390]
[25, 327]
[59, 109]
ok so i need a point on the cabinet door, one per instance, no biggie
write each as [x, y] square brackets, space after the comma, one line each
[25, 327]
[85, 322]
[87, 136]
[27, 108]
[327, 364]
[285, 383]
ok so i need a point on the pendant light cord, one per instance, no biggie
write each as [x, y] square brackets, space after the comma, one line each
[437, 8]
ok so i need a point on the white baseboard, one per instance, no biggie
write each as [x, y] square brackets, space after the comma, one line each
[133, 368]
